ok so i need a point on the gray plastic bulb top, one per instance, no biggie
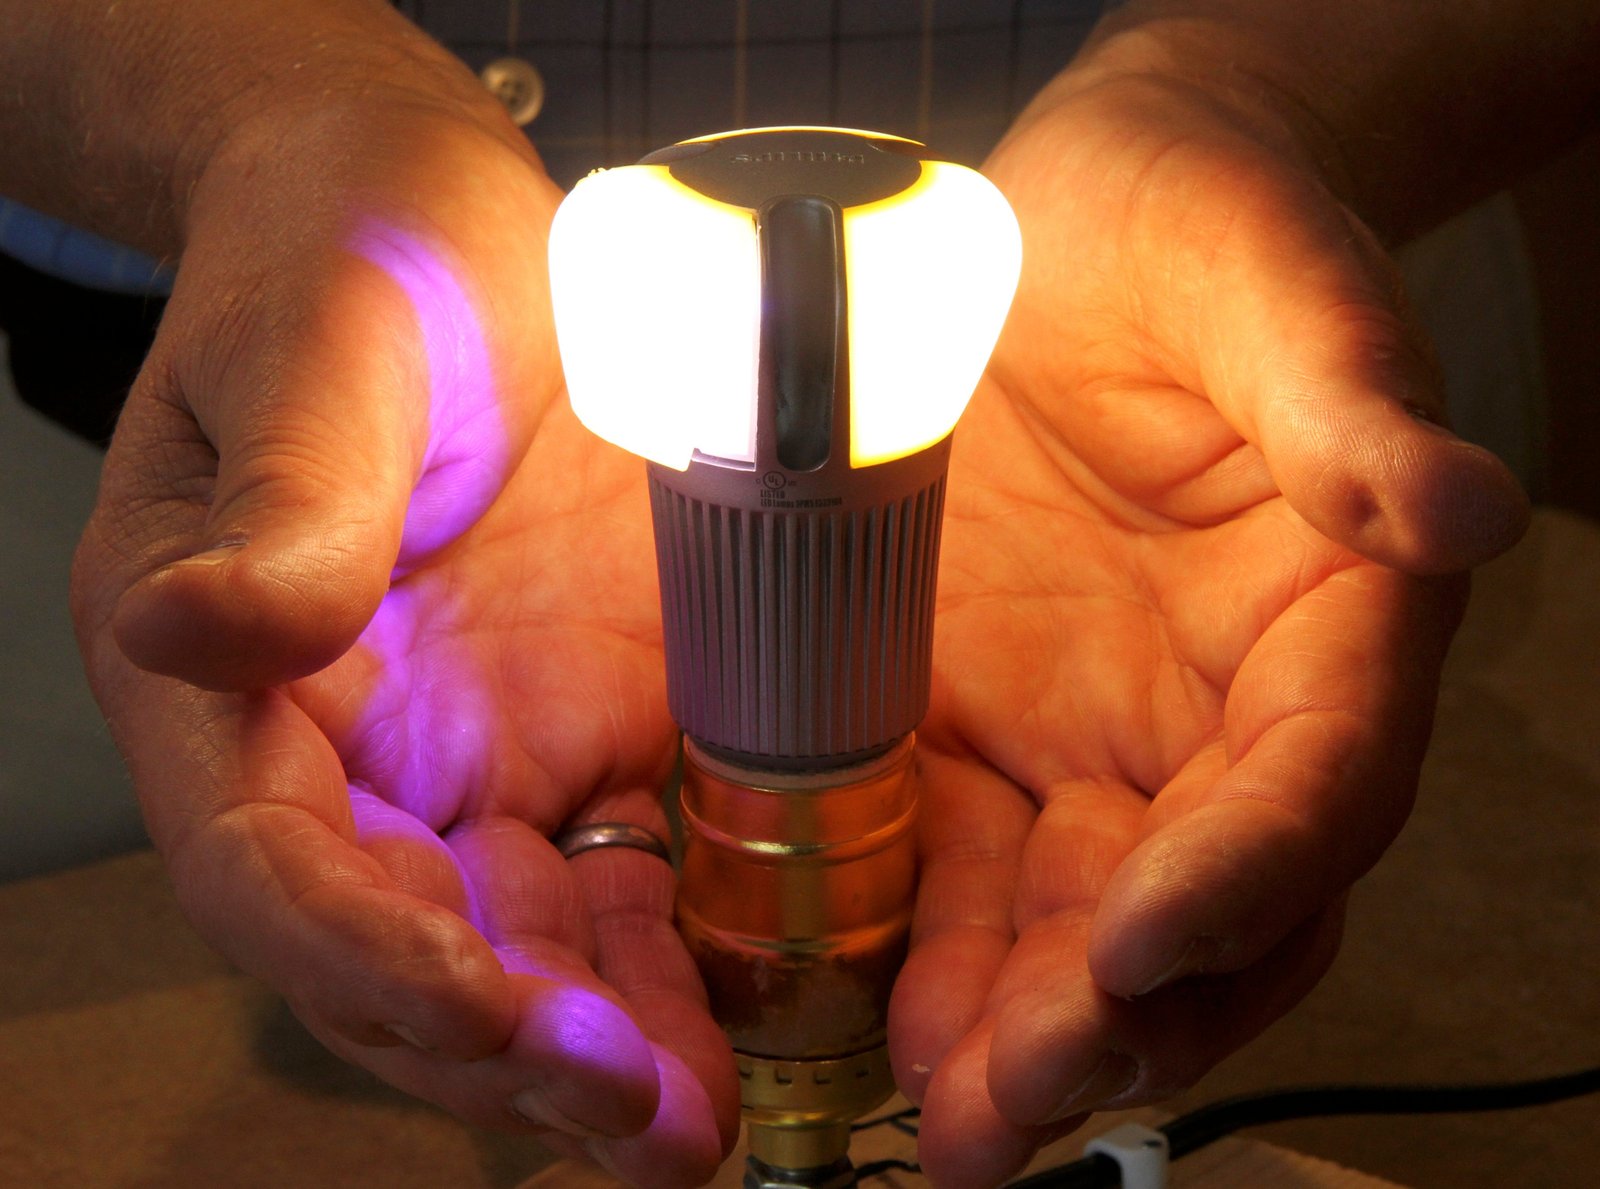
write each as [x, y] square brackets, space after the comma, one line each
[797, 592]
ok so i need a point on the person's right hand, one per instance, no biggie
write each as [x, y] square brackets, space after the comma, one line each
[1182, 686]
[371, 617]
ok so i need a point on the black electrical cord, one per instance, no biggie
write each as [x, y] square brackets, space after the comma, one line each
[1207, 1124]
[1193, 1131]
[875, 1167]
[904, 1121]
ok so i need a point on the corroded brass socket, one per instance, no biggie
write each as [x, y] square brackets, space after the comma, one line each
[800, 1112]
[795, 900]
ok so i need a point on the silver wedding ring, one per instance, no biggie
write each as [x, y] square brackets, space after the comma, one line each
[598, 835]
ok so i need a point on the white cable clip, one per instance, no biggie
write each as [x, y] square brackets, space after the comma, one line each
[1141, 1153]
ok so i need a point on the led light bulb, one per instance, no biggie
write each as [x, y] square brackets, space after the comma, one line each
[787, 324]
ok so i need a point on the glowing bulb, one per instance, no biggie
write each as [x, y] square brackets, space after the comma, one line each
[930, 273]
[658, 303]
[658, 298]
[787, 323]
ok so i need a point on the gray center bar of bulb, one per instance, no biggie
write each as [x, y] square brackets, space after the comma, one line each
[797, 593]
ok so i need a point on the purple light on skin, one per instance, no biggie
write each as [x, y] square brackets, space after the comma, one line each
[467, 460]
[573, 1023]
[418, 726]
[423, 737]
[419, 747]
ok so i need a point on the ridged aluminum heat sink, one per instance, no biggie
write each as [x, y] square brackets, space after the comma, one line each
[797, 637]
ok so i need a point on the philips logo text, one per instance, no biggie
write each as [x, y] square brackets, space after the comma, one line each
[799, 156]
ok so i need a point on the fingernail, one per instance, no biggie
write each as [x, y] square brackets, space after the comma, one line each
[1200, 955]
[535, 1107]
[1419, 412]
[1115, 1074]
[214, 556]
[1438, 420]
[600, 1152]
[406, 1033]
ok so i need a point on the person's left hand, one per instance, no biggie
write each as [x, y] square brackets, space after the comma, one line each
[1172, 720]
[373, 618]
[373, 840]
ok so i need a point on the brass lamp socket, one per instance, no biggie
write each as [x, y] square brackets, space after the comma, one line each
[795, 901]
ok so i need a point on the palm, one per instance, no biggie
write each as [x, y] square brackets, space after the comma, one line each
[1171, 720]
[1081, 636]
[373, 839]
[517, 675]
[505, 688]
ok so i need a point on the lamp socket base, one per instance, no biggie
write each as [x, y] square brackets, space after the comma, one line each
[799, 1112]
[841, 1174]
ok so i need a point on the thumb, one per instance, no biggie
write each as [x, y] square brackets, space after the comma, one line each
[354, 427]
[1312, 355]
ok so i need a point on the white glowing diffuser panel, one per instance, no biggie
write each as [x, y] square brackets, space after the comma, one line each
[658, 311]
[930, 276]
[658, 304]
[787, 323]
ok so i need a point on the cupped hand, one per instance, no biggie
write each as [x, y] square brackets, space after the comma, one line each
[372, 617]
[1179, 706]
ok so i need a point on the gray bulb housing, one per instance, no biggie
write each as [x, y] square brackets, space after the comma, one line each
[797, 591]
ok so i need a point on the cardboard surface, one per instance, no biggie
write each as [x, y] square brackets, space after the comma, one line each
[1226, 1164]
